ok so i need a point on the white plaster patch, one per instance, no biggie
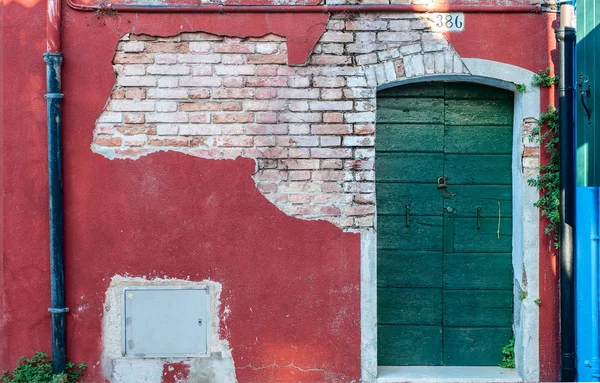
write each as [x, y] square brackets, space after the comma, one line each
[217, 366]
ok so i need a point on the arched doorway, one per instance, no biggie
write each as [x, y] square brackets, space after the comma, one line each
[444, 223]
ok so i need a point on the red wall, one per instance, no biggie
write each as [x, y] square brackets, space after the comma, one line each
[179, 216]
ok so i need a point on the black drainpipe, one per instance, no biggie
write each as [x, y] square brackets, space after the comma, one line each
[57, 274]
[566, 47]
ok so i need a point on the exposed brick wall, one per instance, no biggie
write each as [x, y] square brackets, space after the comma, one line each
[311, 129]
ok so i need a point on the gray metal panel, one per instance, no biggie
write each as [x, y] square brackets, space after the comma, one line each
[165, 321]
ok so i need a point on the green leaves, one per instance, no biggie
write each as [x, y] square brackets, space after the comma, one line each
[508, 352]
[39, 370]
[548, 180]
[543, 78]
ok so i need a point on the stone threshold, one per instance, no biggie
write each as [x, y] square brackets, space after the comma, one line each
[447, 374]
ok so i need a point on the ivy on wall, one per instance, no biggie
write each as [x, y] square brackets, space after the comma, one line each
[548, 179]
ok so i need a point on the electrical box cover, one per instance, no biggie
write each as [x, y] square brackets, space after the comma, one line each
[165, 321]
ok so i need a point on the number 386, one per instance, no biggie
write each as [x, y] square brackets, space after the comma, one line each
[448, 21]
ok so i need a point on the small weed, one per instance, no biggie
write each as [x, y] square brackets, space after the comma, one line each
[522, 295]
[521, 88]
[543, 79]
[538, 301]
[508, 352]
[39, 370]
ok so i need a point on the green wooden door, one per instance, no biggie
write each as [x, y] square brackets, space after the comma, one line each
[444, 267]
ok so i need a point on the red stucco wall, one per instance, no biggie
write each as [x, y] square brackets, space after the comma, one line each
[180, 216]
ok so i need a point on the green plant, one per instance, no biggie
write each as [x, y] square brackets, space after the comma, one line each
[508, 352]
[521, 87]
[548, 180]
[538, 301]
[543, 78]
[522, 295]
[39, 370]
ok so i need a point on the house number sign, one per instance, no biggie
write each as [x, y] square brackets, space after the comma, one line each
[447, 22]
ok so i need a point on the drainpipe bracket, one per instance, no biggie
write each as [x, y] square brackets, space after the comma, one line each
[54, 95]
[58, 310]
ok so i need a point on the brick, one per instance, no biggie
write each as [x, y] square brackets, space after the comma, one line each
[267, 59]
[298, 152]
[331, 60]
[199, 130]
[199, 46]
[359, 141]
[328, 175]
[235, 141]
[333, 49]
[167, 141]
[232, 106]
[330, 105]
[107, 141]
[272, 175]
[298, 93]
[135, 93]
[165, 58]
[199, 106]
[235, 48]
[299, 164]
[133, 46]
[266, 129]
[199, 118]
[300, 117]
[333, 117]
[134, 118]
[166, 106]
[196, 94]
[134, 141]
[265, 93]
[168, 47]
[266, 82]
[331, 129]
[201, 81]
[168, 69]
[267, 48]
[199, 59]
[233, 82]
[233, 93]
[133, 58]
[134, 70]
[328, 82]
[360, 117]
[167, 129]
[266, 118]
[299, 198]
[331, 153]
[337, 37]
[170, 93]
[331, 164]
[168, 82]
[265, 140]
[132, 130]
[131, 106]
[227, 118]
[331, 94]
[233, 59]
[166, 117]
[398, 36]
[107, 117]
[234, 70]
[330, 141]
[364, 129]
[269, 105]
[298, 141]
[366, 25]
[136, 81]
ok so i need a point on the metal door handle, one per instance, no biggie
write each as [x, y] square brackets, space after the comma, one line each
[407, 216]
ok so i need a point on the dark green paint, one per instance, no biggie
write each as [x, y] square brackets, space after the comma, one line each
[409, 306]
[409, 268]
[443, 283]
[475, 346]
[409, 345]
[477, 308]
[477, 271]
[588, 67]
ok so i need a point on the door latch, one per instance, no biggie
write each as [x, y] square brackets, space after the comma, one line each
[441, 182]
[585, 90]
